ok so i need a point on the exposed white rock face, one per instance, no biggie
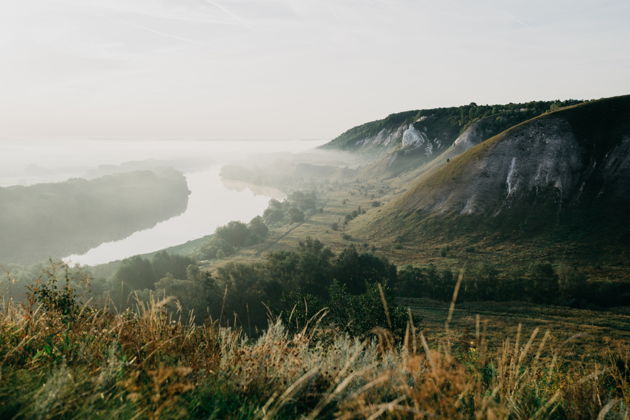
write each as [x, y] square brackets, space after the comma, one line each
[471, 206]
[412, 137]
[385, 137]
[541, 155]
[469, 138]
[473, 135]
[616, 170]
[511, 180]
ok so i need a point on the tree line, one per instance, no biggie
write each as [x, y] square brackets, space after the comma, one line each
[356, 289]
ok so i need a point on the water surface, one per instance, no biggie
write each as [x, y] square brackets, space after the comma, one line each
[211, 202]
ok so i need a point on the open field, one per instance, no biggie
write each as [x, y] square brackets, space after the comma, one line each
[342, 198]
[64, 360]
[585, 331]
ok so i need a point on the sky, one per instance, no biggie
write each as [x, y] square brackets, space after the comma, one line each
[290, 69]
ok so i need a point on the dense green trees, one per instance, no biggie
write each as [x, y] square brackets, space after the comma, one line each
[294, 285]
[353, 287]
[258, 230]
[425, 282]
[543, 283]
[298, 284]
[295, 209]
[139, 273]
[573, 286]
[229, 238]
[540, 283]
[360, 270]
[235, 235]
[135, 273]
[196, 291]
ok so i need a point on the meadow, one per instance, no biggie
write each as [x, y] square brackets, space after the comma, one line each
[65, 359]
[70, 354]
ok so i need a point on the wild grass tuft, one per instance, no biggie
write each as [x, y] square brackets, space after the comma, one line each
[149, 364]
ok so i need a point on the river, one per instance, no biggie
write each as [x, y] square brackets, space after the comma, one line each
[211, 202]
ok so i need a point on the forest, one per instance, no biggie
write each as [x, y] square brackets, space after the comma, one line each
[59, 219]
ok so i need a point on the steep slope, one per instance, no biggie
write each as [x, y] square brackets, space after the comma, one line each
[405, 141]
[566, 171]
[425, 154]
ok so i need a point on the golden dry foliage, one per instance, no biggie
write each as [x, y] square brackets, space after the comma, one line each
[149, 364]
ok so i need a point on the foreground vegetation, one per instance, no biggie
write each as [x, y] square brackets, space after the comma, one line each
[64, 359]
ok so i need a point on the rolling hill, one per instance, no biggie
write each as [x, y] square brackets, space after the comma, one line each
[564, 175]
[407, 140]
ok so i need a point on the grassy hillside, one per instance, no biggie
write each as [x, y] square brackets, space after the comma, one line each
[588, 204]
[443, 123]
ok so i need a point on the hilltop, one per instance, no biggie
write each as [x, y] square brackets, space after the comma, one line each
[408, 140]
[570, 164]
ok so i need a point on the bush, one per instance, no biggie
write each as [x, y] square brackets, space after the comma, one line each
[294, 209]
[573, 286]
[296, 215]
[135, 273]
[258, 230]
[361, 313]
[543, 283]
[359, 270]
[303, 200]
[233, 236]
[53, 298]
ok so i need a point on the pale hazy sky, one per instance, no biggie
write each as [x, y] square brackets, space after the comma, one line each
[291, 69]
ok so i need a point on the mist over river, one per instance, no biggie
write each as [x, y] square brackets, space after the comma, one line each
[211, 203]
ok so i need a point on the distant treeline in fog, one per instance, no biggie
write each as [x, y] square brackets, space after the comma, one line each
[59, 219]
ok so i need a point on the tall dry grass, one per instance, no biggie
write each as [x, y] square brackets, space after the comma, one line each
[151, 363]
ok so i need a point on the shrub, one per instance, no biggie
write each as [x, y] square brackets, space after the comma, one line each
[296, 215]
[543, 283]
[294, 209]
[358, 314]
[53, 298]
[233, 236]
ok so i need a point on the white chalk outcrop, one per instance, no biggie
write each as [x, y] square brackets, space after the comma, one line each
[543, 156]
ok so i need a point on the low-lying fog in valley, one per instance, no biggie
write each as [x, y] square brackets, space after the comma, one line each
[176, 244]
[211, 203]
